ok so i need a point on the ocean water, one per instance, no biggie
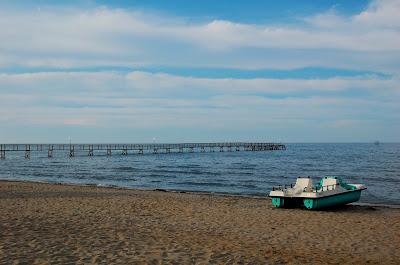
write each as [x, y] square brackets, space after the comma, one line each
[240, 173]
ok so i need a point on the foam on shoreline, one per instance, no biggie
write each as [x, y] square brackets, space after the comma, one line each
[362, 204]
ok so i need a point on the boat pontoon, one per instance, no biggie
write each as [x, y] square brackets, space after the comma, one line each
[330, 191]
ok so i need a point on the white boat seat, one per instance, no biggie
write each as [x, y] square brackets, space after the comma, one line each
[330, 181]
[302, 184]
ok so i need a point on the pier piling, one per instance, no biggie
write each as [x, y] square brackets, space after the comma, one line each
[71, 151]
[27, 151]
[2, 152]
[50, 151]
[90, 153]
[124, 151]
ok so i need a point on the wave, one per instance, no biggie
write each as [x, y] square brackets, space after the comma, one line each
[127, 168]
[210, 184]
[250, 186]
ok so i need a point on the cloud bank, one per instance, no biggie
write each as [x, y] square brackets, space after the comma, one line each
[49, 77]
[67, 37]
[148, 100]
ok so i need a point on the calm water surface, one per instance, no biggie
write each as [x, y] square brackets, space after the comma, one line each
[244, 173]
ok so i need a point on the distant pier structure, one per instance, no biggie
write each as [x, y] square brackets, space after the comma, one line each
[124, 149]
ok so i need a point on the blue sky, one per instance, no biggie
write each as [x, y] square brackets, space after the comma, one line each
[132, 71]
[251, 11]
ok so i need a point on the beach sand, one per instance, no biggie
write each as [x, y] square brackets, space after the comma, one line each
[46, 223]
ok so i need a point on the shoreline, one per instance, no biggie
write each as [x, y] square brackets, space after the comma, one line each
[362, 204]
[44, 223]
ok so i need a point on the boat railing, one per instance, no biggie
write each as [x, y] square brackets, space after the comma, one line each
[323, 188]
[282, 187]
[306, 189]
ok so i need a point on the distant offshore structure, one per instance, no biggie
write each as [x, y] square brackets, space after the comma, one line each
[376, 143]
[124, 149]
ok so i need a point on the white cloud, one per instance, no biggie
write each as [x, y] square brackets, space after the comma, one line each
[139, 84]
[164, 82]
[383, 14]
[145, 100]
[63, 37]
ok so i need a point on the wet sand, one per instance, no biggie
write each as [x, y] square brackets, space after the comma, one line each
[62, 224]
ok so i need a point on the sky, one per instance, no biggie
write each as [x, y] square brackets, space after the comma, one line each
[197, 71]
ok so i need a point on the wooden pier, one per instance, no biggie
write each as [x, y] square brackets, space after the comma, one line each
[125, 149]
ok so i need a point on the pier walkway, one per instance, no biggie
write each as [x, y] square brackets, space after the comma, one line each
[125, 149]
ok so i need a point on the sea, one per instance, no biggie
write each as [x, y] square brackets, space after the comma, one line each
[240, 173]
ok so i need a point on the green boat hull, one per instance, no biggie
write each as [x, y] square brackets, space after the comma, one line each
[318, 203]
[338, 199]
[278, 202]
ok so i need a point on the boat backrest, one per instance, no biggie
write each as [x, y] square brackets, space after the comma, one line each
[303, 183]
[333, 181]
[330, 181]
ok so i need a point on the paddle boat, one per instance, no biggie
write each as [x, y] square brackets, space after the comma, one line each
[330, 191]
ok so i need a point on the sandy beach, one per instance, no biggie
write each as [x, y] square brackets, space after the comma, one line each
[63, 224]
